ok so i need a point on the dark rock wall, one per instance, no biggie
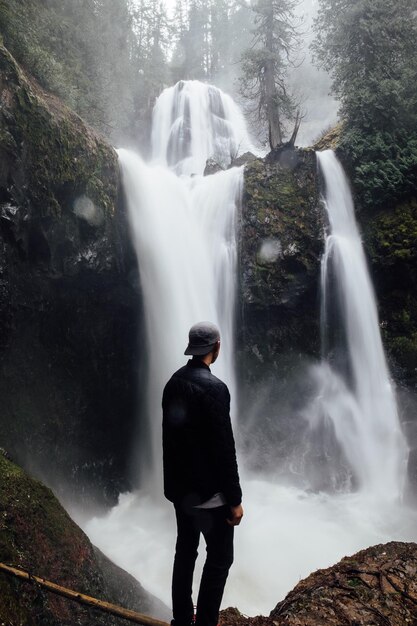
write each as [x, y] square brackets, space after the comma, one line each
[69, 296]
[390, 237]
[281, 242]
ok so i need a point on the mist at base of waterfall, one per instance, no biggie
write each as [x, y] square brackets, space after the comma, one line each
[285, 535]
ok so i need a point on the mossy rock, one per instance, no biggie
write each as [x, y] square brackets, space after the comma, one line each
[69, 295]
[52, 155]
[38, 536]
[391, 241]
[281, 237]
[281, 242]
[331, 138]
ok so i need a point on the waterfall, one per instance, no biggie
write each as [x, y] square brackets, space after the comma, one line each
[193, 122]
[360, 401]
[183, 230]
[183, 227]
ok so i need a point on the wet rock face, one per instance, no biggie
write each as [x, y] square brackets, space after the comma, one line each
[69, 297]
[375, 587]
[38, 536]
[282, 233]
[390, 236]
[281, 243]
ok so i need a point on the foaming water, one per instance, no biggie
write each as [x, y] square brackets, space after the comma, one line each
[360, 401]
[285, 535]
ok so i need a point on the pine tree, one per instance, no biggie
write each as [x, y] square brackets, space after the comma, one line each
[153, 34]
[369, 48]
[265, 64]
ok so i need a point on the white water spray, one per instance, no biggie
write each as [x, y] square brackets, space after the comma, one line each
[364, 410]
[184, 235]
[193, 122]
[185, 238]
[286, 533]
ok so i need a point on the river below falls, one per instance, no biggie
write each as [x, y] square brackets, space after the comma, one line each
[285, 535]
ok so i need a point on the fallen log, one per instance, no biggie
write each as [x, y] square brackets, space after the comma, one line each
[81, 598]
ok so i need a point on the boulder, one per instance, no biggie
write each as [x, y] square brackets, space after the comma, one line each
[374, 587]
[243, 159]
[212, 167]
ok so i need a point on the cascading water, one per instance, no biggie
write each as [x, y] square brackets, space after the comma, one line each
[193, 122]
[184, 234]
[184, 231]
[183, 228]
[363, 410]
[185, 237]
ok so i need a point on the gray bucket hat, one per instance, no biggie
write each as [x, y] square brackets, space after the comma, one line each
[201, 338]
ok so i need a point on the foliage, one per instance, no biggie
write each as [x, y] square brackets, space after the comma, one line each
[369, 48]
[265, 64]
[92, 55]
[210, 39]
[110, 59]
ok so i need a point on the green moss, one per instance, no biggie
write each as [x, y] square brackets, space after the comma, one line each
[404, 349]
[391, 242]
[393, 234]
[278, 293]
[38, 536]
[62, 157]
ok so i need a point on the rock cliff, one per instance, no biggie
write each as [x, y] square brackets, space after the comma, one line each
[69, 295]
[281, 241]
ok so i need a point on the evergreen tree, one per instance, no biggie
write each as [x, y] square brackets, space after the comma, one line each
[265, 64]
[153, 34]
[190, 59]
[105, 58]
[369, 48]
[210, 36]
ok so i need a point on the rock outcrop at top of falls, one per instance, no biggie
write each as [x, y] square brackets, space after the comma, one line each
[281, 243]
[374, 587]
[69, 302]
[38, 536]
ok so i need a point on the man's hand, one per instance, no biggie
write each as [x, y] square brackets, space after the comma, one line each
[237, 514]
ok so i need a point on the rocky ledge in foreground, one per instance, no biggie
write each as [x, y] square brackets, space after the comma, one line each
[375, 587]
[37, 535]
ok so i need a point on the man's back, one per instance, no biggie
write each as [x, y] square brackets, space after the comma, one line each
[200, 477]
[199, 450]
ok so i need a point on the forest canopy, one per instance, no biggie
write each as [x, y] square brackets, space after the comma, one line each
[110, 59]
[368, 46]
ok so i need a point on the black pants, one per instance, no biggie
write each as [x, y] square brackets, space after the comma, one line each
[219, 545]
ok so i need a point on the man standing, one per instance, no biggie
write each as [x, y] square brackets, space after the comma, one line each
[200, 477]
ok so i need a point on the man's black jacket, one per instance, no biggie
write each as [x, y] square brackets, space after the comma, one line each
[198, 444]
